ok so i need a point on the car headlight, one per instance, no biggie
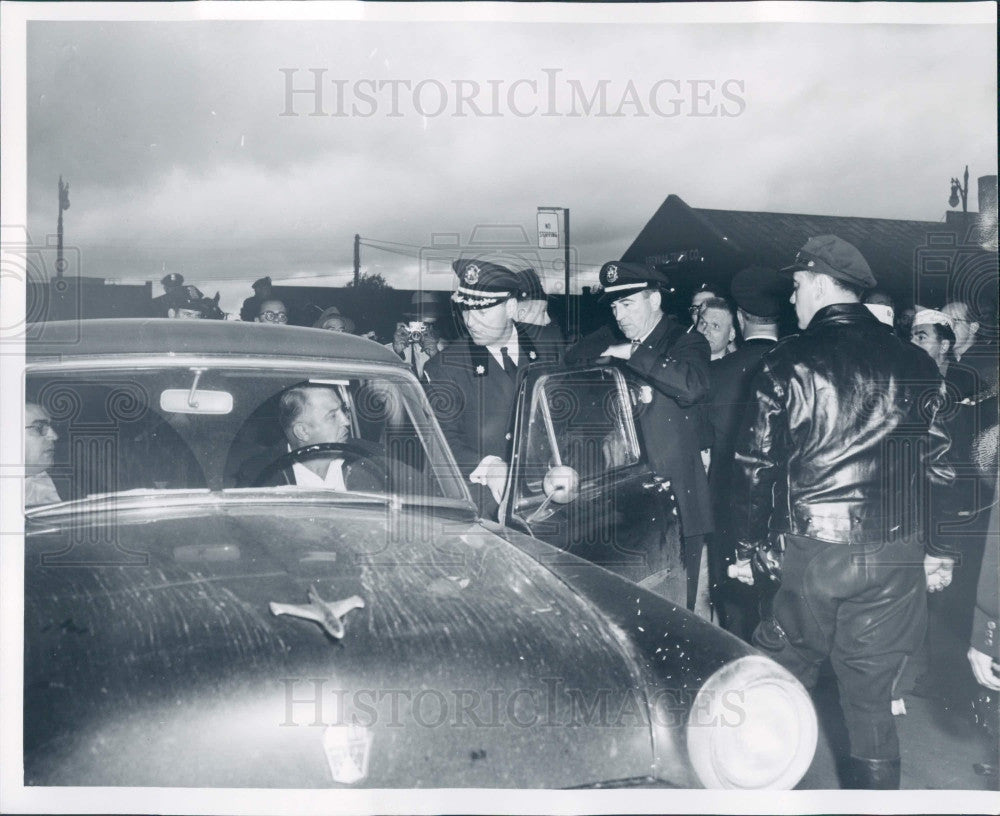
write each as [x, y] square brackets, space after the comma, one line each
[752, 726]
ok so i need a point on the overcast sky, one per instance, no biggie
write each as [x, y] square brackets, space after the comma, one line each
[172, 137]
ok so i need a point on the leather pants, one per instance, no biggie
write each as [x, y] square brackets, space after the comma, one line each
[865, 609]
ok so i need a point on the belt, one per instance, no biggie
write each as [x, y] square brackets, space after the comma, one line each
[843, 523]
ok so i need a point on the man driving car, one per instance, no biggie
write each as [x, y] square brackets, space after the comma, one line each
[311, 414]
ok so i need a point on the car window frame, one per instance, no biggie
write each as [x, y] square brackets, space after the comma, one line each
[426, 427]
[533, 386]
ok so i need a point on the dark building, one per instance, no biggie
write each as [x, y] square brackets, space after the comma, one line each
[916, 261]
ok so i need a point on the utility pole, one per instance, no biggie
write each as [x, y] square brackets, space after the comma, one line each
[548, 238]
[63, 205]
[357, 260]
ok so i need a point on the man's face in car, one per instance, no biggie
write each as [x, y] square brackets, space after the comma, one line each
[39, 439]
[324, 418]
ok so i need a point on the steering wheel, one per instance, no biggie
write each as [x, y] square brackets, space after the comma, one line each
[350, 452]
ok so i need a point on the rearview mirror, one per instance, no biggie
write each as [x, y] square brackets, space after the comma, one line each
[184, 401]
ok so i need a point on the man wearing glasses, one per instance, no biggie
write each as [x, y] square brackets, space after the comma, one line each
[39, 453]
[272, 311]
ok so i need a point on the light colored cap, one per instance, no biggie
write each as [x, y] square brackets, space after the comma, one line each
[930, 316]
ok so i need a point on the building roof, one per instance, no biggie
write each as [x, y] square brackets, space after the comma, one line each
[913, 260]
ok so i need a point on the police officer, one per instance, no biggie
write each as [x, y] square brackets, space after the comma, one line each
[472, 383]
[673, 361]
[533, 312]
[173, 290]
[759, 293]
[829, 497]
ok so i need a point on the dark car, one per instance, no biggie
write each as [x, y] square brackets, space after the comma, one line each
[191, 620]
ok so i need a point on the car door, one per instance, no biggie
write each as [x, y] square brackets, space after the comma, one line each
[580, 478]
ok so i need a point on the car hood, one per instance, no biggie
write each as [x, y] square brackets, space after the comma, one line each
[153, 656]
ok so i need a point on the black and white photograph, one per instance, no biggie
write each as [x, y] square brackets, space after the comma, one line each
[499, 408]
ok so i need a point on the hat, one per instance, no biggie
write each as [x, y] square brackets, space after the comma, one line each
[531, 285]
[261, 283]
[191, 298]
[760, 291]
[620, 279]
[924, 317]
[333, 311]
[835, 257]
[172, 280]
[482, 284]
[423, 306]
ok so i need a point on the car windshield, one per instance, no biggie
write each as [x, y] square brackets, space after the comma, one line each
[225, 428]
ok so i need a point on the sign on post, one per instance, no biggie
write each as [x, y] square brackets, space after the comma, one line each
[548, 228]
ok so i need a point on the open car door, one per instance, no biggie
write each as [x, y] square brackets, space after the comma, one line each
[580, 478]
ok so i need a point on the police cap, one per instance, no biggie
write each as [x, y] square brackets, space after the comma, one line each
[482, 284]
[760, 291]
[531, 285]
[620, 279]
[835, 257]
[172, 280]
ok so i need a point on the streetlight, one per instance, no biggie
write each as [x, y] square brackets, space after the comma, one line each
[960, 189]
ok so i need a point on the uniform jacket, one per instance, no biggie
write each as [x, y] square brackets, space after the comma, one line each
[845, 432]
[547, 337]
[674, 362]
[729, 400]
[473, 397]
[986, 618]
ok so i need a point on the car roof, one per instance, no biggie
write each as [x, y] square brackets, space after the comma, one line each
[127, 336]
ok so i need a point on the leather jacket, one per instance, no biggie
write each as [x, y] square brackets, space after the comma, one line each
[844, 437]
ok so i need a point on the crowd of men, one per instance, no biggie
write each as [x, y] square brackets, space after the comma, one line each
[826, 481]
[836, 487]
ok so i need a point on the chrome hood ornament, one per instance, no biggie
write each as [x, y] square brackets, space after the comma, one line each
[327, 614]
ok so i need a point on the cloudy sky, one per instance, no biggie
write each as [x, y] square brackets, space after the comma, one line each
[173, 137]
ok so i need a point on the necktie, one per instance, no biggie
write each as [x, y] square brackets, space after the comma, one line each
[635, 345]
[507, 362]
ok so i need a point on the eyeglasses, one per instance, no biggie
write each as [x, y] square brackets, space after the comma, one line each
[40, 426]
[274, 317]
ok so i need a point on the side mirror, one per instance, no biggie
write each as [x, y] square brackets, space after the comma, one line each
[561, 485]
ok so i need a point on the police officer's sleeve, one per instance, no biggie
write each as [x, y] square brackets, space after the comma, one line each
[586, 350]
[761, 454]
[941, 540]
[986, 618]
[681, 373]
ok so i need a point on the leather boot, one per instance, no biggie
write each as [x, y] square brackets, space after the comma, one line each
[872, 774]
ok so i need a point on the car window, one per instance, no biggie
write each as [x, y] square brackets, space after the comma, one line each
[579, 419]
[215, 427]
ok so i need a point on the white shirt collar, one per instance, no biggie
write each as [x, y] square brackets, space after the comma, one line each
[40, 489]
[761, 335]
[510, 344]
[334, 479]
